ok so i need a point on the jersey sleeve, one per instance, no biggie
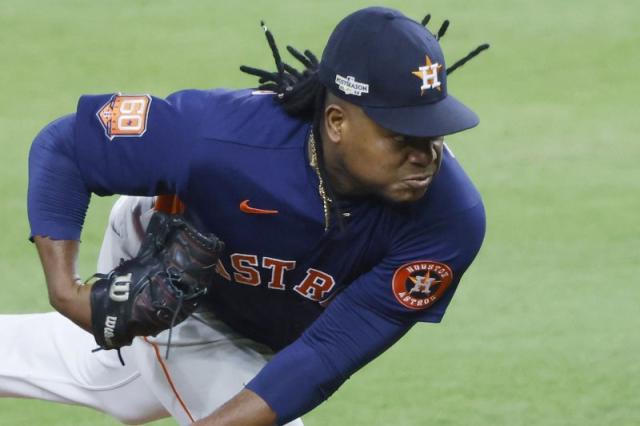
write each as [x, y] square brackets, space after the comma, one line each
[421, 272]
[135, 144]
[57, 197]
[114, 144]
[415, 282]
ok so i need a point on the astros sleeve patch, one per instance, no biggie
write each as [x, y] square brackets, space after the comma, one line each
[418, 285]
[125, 115]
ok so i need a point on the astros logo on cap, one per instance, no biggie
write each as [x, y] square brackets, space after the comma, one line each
[418, 285]
[428, 73]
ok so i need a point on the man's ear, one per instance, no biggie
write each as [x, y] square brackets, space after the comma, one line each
[334, 117]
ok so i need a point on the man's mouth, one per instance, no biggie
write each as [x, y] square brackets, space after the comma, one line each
[418, 181]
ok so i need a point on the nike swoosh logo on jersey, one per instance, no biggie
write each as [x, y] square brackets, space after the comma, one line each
[246, 208]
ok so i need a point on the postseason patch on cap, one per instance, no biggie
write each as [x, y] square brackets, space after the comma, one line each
[418, 285]
[125, 115]
[350, 86]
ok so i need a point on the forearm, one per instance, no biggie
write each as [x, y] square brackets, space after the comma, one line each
[244, 409]
[308, 371]
[66, 292]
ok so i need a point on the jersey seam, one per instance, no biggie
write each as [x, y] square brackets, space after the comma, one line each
[269, 148]
[336, 373]
[74, 149]
[444, 219]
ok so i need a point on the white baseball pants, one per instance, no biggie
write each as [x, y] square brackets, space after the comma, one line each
[46, 356]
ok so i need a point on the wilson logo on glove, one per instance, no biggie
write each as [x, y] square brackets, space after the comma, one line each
[109, 328]
[119, 291]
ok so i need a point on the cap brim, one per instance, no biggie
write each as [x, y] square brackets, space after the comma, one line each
[441, 118]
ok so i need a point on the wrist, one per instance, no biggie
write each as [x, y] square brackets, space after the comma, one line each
[66, 293]
[73, 301]
[63, 295]
[246, 408]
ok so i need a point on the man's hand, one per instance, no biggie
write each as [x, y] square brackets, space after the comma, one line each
[244, 409]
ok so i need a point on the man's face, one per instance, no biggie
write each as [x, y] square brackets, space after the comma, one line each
[375, 161]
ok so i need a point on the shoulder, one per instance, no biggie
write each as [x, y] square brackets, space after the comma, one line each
[252, 118]
[449, 221]
[451, 194]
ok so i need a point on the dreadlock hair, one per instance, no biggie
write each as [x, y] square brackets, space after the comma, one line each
[441, 32]
[301, 94]
[297, 90]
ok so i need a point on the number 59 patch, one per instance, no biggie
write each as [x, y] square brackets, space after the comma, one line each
[125, 115]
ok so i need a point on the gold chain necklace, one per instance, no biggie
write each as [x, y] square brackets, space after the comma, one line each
[326, 201]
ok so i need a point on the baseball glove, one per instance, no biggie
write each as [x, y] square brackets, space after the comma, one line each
[158, 288]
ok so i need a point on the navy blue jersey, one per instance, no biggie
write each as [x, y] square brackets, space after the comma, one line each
[241, 166]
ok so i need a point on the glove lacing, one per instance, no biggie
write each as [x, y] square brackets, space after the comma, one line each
[176, 276]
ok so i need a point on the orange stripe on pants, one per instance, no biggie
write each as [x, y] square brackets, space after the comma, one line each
[167, 375]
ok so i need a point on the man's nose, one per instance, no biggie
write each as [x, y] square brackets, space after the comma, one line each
[422, 154]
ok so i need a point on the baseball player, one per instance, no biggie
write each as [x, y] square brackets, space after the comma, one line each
[344, 219]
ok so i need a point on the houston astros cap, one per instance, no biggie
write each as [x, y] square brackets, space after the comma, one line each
[393, 68]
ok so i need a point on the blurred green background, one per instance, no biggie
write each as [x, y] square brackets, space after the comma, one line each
[545, 327]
